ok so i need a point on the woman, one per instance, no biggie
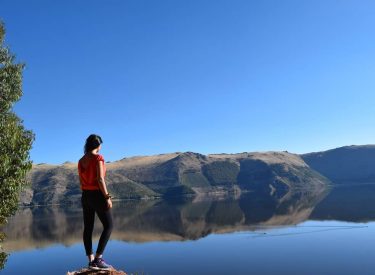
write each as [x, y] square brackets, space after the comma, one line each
[95, 199]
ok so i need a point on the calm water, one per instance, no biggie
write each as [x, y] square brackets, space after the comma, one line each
[304, 232]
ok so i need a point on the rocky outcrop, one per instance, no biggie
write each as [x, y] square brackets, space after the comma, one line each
[86, 271]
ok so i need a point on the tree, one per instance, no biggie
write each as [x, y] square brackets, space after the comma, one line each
[15, 140]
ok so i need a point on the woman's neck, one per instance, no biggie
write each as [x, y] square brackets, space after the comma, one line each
[93, 152]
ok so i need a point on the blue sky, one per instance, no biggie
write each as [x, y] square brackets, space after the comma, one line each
[215, 76]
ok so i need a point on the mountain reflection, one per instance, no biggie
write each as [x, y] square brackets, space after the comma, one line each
[194, 218]
[352, 203]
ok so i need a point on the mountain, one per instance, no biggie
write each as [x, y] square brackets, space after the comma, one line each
[175, 174]
[345, 164]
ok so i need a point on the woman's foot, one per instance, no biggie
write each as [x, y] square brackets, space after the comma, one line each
[99, 264]
[92, 266]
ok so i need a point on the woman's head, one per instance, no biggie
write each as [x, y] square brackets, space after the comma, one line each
[92, 142]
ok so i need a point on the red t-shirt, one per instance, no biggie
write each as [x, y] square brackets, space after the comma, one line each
[88, 172]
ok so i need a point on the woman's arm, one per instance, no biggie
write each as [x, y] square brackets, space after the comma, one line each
[79, 173]
[102, 185]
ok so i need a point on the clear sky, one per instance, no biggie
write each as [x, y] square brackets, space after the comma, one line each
[214, 76]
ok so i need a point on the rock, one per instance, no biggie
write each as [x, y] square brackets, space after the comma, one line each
[86, 271]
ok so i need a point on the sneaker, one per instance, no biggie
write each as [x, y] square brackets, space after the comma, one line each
[92, 266]
[99, 264]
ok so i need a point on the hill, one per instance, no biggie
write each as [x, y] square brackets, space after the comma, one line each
[345, 164]
[176, 174]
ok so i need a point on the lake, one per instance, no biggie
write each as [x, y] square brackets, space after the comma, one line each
[328, 231]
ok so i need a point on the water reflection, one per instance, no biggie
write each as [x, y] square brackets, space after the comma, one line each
[143, 222]
[194, 218]
[349, 202]
[153, 220]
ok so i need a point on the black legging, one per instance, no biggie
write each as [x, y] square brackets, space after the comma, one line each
[94, 201]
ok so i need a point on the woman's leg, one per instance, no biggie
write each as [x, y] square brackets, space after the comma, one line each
[88, 221]
[105, 217]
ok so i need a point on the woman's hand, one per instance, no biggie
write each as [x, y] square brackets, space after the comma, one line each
[109, 203]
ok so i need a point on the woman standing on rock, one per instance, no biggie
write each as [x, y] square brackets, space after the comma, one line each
[95, 199]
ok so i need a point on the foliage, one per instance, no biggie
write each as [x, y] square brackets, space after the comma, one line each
[221, 172]
[15, 140]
